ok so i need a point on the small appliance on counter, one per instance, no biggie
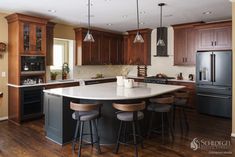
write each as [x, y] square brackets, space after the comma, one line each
[180, 76]
[191, 77]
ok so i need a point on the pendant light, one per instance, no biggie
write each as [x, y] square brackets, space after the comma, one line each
[138, 37]
[89, 37]
[160, 41]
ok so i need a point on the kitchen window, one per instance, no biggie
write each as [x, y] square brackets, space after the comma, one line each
[60, 54]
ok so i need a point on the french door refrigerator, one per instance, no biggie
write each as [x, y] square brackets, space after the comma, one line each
[214, 83]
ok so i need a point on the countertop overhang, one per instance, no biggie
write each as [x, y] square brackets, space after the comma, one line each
[110, 91]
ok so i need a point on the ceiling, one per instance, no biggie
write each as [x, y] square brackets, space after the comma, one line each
[120, 15]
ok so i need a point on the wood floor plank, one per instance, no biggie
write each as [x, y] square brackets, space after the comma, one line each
[28, 140]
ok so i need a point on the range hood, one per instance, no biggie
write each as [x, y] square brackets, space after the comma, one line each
[162, 50]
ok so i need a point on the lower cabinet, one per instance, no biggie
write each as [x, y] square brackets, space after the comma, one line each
[191, 87]
[31, 102]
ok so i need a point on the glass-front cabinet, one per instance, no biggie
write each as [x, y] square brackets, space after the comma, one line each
[34, 39]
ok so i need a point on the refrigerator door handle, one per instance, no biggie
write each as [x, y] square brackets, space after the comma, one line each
[214, 96]
[214, 67]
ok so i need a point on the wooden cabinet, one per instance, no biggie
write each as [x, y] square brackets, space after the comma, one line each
[50, 42]
[61, 85]
[191, 88]
[90, 82]
[32, 37]
[214, 36]
[26, 57]
[185, 44]
[138, 53]
[107, 48]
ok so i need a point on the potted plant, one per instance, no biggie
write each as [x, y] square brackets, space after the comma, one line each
[53, 75]
[65, 71]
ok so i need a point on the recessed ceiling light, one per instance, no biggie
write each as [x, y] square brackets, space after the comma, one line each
[142, 23]
[124, 16]
[51, 10]
[109, 24]
[207, 13]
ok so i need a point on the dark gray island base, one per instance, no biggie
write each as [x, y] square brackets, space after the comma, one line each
[60, 126]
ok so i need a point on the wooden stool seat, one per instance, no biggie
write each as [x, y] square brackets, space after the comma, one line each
[130, 114]
[161, 105]
[86, 113]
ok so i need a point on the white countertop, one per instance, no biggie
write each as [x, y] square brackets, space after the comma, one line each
[110, 91]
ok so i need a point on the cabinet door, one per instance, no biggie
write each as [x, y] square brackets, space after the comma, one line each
[120, 51]
[206, 39]
[95, 50]
[179, 46]
[105, 50]
[37, 39]
[223, 38]
[86, 51]
[114, 50]
[25, 37]
[190, 47]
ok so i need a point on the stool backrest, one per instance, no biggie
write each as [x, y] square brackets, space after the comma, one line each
[84, 107]
[129, 107]
[165, 100]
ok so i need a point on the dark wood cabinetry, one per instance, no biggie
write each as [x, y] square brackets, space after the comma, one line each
[90, 82]
[185, 44]
[50, 42]
[138, 53]
[191, 88]
[107, 48]
[26, 60]
[214, 36]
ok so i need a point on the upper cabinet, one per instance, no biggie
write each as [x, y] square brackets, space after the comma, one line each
[185, 44]
[214, 36]
[50, 42]
[107, 48]
[138, 53]
[31, 33]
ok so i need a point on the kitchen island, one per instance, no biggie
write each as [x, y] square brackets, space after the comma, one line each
[59, 125]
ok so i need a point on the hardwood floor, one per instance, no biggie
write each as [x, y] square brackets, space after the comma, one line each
[28, 140]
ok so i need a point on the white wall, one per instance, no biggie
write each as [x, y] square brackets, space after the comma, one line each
[164, 64]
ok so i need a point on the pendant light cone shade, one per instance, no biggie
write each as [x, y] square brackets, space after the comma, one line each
[138, 37]
[89, 37]
[160, 42]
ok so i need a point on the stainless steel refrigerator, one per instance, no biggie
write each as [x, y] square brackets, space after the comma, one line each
[214, 83]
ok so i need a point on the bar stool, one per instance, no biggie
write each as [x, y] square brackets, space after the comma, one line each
[181, 103]
[130, 113]
[161, 105]
[86, 113]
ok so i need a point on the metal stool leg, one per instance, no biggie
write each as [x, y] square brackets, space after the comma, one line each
[170, 126]
[75, 135]
[134, 137]
[80, 139]
[180, 119]
[97, 135]
[150, 125]
[140, 134]
[91, 133]
[163, 134]
[118, 139]
[174, 108]
[186, 120]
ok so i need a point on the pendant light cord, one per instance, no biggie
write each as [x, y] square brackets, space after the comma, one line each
[161, 16]
[138, 23]
[89, 24]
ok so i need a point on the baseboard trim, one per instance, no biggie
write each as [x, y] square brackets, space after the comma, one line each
[233, 135]
[3, 118]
